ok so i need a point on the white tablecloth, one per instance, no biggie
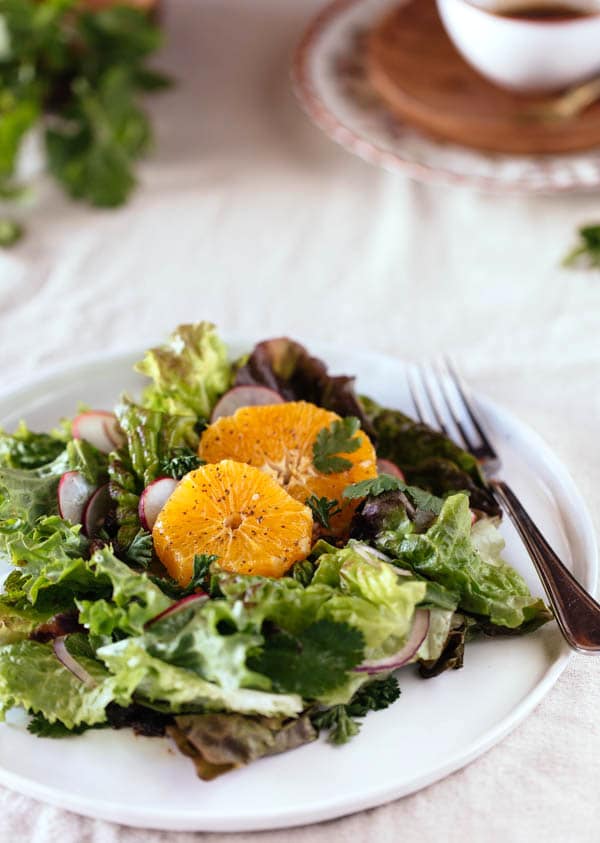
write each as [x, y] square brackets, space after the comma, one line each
[248, 216]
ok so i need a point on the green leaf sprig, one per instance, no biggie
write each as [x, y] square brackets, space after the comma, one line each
[587, 250]
[339, 438]
[323, 509]
[339, 719]
[79, 73]
[388, 483]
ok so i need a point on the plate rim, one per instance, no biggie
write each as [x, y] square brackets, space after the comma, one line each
[368, 150]
[162, 819]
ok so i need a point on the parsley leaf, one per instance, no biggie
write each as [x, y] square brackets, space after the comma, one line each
[323, 509]
[43, 728]
[140, 550]
[374, 696]
[311, 663]
[338, 438]
[28, 450]
[180, 463]
[340, 725]
[202, 580]
[387, 483]
[587, 251]
[338, 719]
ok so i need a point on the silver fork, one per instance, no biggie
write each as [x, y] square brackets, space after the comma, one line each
[452, 407]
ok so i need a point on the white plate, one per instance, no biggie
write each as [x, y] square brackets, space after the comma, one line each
[421, 738]
[333, 90]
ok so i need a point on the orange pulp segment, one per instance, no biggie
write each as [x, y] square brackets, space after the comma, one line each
[278, 439]
[236, 512]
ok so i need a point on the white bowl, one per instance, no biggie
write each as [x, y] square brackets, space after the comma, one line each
[522, 54]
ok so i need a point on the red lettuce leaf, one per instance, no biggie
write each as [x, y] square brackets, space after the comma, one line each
[286, 366]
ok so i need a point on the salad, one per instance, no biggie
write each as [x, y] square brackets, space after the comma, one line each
[241, 558]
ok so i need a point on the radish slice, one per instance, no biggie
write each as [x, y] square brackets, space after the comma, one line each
[389, 467]
[99, 428]
[176, 607]
[74, 492]
[153, 498]
[66, 659]
[244, 396]
[418, 634]
[96, 511]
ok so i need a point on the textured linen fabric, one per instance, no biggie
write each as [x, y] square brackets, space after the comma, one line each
[249, 216]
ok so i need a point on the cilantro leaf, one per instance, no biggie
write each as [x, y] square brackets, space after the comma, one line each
[323, 509]
[79, 72]
[338, 438]
[180, 462]
[387, 483]
[311, 663]
[375, 486]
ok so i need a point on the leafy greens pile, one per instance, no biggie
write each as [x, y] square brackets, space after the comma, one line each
[80, 73]
[93, 634]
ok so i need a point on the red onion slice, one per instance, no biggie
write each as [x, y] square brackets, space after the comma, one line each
[67, 660]
[418, 634]
[176, 607]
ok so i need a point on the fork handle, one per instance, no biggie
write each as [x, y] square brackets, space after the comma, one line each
[576, 612]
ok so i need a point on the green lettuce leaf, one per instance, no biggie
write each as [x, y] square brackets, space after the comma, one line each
[447, 554]
[133, 602]
[18, 621]
[179, 690]
[87, 460]
[50, 561]
[27, 450]
[28, 494]
[370, 597]
[189, 372]
[213, 640]
[31, 676]
[151, 438]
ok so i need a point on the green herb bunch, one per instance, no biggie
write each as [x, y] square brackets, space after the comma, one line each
[79, 73]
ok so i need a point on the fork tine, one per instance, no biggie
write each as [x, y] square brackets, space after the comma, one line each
[432, 399]
[416, 399]
[462, 391]
[443, 375]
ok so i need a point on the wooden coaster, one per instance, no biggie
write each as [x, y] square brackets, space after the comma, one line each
[415, 68]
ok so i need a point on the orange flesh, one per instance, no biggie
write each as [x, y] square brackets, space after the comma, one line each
[236, 512]
[278, 439]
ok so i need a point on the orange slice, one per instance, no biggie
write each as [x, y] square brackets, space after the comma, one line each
[236, 512]
[278, 439]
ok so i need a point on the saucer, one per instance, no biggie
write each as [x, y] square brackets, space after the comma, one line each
[338, 71]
